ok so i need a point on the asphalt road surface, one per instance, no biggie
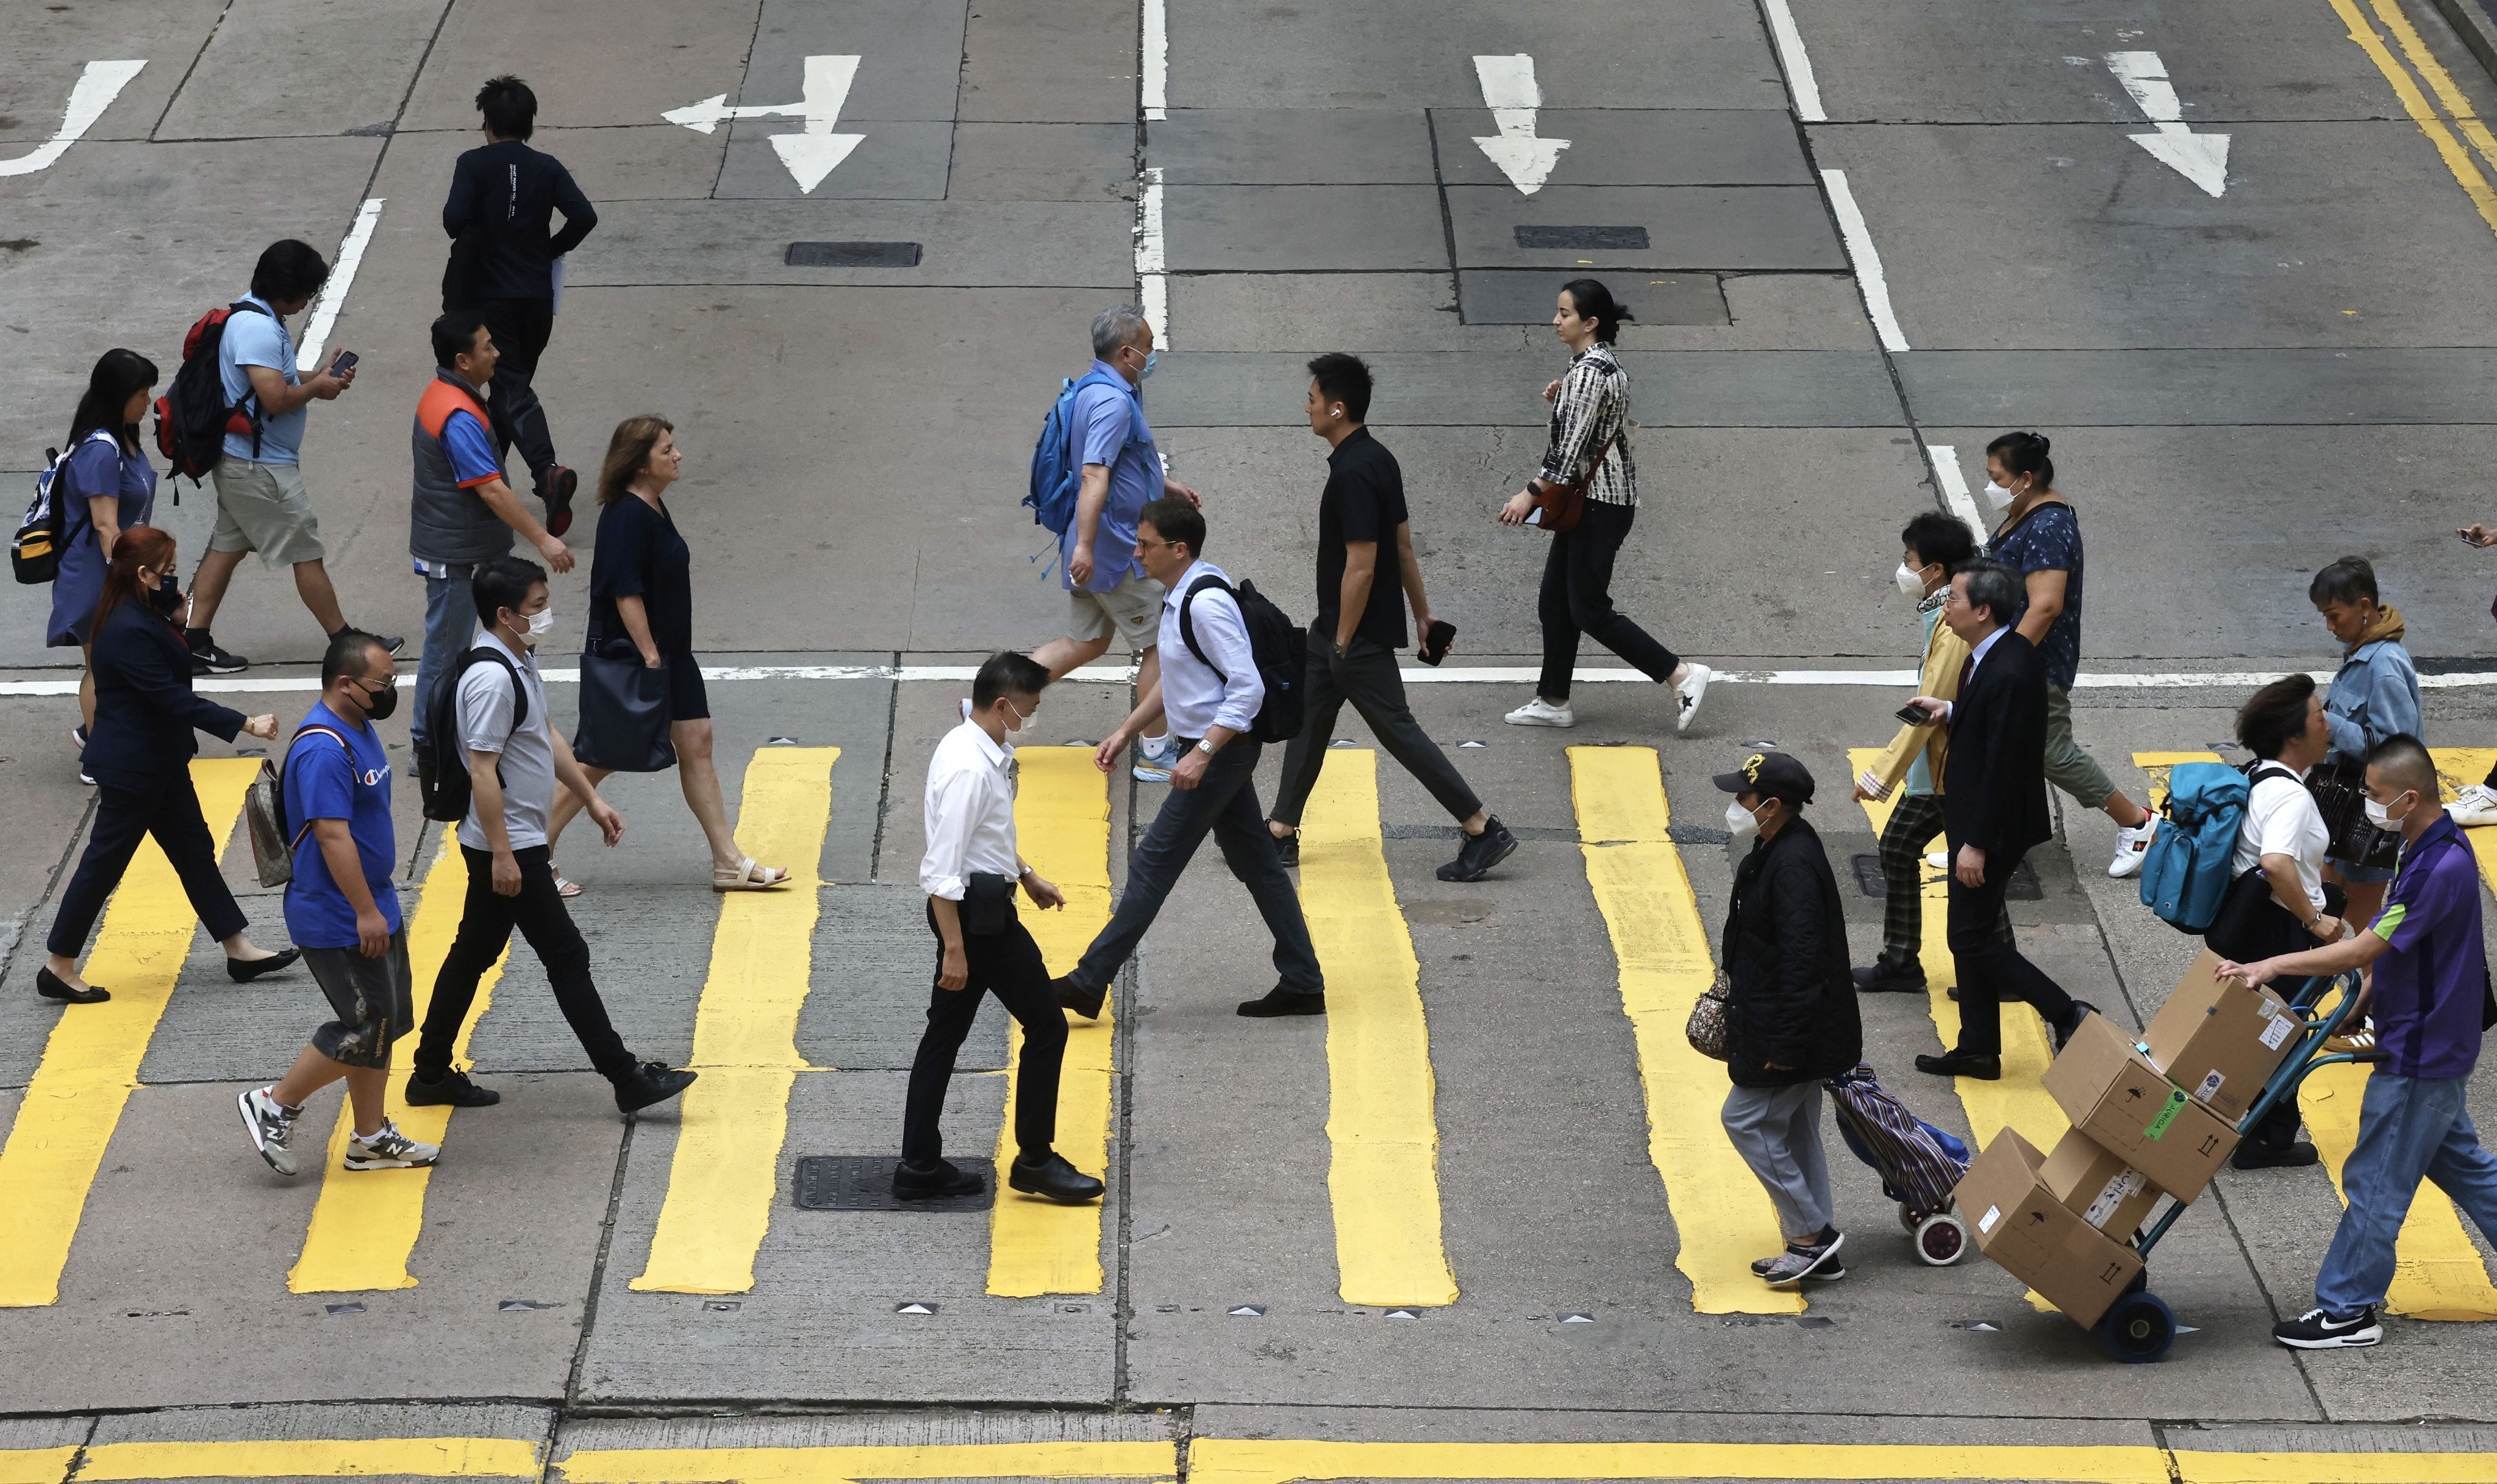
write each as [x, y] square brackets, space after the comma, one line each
[1481, 1222]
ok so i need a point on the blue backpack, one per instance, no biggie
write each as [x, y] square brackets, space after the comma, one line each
[1056, 476]
[2190, 862]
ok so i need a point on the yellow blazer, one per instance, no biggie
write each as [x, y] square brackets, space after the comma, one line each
[1944, 653]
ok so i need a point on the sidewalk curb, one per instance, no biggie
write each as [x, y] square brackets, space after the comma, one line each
[2471, 20]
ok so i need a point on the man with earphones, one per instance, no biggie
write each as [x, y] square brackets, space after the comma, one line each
[514, 760]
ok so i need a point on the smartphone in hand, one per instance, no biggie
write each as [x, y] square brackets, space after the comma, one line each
[1913, 715]
[1435, 643]
[345, 363]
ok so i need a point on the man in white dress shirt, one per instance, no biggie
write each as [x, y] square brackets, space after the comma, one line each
[1209, 703]
[969, 873]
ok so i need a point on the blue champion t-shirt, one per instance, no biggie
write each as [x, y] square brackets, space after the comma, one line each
[323, 782]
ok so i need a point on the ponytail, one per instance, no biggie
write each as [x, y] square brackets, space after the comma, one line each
[1595, 302]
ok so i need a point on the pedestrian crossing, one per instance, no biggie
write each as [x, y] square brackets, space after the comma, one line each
[723, 1185]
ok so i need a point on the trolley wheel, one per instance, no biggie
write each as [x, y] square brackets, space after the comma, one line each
[1909, 1218]
[2138, 1329]
[1941, 1240]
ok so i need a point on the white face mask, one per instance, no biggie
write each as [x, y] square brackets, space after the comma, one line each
[539, 623]
[1998, 497]
[1740, 822]
[2381, 815]
[1912, 583]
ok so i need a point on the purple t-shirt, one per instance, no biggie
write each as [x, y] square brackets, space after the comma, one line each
[2431, 982]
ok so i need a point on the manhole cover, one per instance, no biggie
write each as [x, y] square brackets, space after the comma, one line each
[2025, 886]
[875, 254]
[864, 1183]
[1599, 238]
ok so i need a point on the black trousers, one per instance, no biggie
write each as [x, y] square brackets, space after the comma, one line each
[1007, 965]
[1991, 969]
[1369, 678]
[521, 327]
[168, 809]
[1577, 599]
[485, 924]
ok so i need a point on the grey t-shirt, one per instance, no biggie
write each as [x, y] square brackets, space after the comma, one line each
[527, 770]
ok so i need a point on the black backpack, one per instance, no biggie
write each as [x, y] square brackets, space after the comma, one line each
[1281, 647]
[442, 759]
[193, 416]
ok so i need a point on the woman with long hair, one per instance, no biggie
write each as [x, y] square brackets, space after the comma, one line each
[105, 486]
[642, 601]
[1591, 445]
[140, 756]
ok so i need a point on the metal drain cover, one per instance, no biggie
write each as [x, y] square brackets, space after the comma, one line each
[855, 255]
[864, 1183]
[1584, 239]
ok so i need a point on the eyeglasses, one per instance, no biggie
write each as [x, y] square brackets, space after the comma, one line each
[1141, 545]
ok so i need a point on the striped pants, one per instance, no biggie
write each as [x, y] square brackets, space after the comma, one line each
[1914, 821]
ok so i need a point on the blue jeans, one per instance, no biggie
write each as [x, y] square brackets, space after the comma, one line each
[2409, 1128]
[450, 627]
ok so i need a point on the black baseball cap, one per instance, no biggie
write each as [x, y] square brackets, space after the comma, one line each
[1771, 775]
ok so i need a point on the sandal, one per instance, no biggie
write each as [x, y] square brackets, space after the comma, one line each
[565, 886]
[746, 877]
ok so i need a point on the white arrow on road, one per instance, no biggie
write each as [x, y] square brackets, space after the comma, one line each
[2201, 158]
[93, 93]
[1509, 92]
[811, 153]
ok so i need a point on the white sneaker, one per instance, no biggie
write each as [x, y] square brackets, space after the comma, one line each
[1687, 695]
[389, 1150]
[269, 1124]
[2475, 805]
[1154, 757]
[2133, 848]
[1539, 712]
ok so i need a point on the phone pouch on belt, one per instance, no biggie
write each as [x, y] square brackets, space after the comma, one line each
[987, 898]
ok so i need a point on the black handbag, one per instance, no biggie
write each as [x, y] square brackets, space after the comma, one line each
[2340, 790]
[624, 716]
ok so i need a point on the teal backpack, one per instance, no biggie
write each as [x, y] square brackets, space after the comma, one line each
[2186, 874]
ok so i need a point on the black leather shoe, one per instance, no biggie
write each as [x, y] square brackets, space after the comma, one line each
[556, 486]
[1055, 1178]
[1961, 1063]
[2082, 1010]
[1287, 847]
[1953, 993]
[1282, 1001]
[52, 986]
[653, 1082]
[1076, 998]
[935, 1182]
[2252, 1156]
[452, 1089]
[1889, 975]
[1481, 853]
[241, 972]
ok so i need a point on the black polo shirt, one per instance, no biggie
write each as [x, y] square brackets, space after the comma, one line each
[1364, 501]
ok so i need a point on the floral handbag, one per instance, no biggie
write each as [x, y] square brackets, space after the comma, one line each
[1706, 1029]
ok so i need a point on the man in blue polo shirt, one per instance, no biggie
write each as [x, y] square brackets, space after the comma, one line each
[342, 910]
[2431, 1001]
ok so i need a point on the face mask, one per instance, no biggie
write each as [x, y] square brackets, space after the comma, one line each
[1912, 583]
[1740, 822]
[166, 600]
[2382, 816]
[1019, 719]
[1998, 497]
[1151, 358]
[377, 708]
[539, 622]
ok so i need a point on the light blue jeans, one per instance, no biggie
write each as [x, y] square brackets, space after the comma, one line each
[450, 627]
[2410, 1128]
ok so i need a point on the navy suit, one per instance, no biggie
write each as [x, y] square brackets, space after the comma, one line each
[139, 752]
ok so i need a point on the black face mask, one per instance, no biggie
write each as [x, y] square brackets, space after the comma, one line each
[378, 708]
[166, 600]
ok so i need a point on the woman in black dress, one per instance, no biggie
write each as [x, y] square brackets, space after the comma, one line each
[640, 588]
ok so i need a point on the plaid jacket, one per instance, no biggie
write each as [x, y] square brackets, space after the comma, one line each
[1593, 406]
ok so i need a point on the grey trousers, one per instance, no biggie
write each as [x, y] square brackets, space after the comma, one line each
[1776, 1130]
[1368, 678]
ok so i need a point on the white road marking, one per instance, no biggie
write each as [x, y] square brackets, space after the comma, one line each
[1511, 92]
[342, 278]
[94, 91]
[1861, 252]
[1153, 281]
[1798, 63]
[811, 153]
[1954, 487]
[1155, 63]
[2201, 158]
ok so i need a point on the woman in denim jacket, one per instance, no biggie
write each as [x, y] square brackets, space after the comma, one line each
[2375, 694]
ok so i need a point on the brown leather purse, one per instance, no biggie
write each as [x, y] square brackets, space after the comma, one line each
[1563, 504]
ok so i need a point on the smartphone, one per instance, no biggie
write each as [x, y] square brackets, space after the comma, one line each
[345, 363]
[1913, 715]
[1435, 643]
[2467, 541]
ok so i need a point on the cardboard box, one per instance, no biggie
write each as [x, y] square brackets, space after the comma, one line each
[2219, 1042]
[2112, 1093]
[2020, 1225]
[2106, 1192]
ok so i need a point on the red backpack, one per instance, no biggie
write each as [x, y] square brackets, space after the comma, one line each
[193, 416]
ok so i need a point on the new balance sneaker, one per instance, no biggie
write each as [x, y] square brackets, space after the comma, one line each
[389, 1150]
[1802, 1260]
[207, 659]
[2473, 806]
[1687, 694]
[1155, 756]
[270, 1122]
[2316, 1330]
[1539, 712]
[2133, 848]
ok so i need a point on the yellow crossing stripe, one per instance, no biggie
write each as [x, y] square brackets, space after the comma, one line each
[727, 1167]
[1381, 1119]
[2457, 160]
[440, 1458]
[364, 1226]
[1063, 828]
[1719, 1212]
[90, 1064]
[821, 1466]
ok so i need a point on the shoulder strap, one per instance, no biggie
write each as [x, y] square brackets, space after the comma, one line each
[1187, 629]
[335, 736]
[1136, 404]
[520, 692]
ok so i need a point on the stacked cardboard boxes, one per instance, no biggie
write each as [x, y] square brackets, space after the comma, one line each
[2152, 1116]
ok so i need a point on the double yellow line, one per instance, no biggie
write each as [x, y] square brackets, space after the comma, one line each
[2467, 172]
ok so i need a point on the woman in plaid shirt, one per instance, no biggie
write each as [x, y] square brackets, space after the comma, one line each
[1590, 426]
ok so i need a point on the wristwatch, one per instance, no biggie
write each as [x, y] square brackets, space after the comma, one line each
[1205, 745]
[1342, 649]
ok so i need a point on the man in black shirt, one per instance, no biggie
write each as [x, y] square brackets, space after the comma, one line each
[503, 265]
[1366, 570]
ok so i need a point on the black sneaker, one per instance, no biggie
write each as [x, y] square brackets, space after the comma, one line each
[1800, 1261]
[207, 659]
[556, 486]
[2254, 1156]
[451, 1089]
[653, 1082]
[1282, 1001]
[1287, 847]
[1074, 996]
[2317, 1329]
[1481, 853]
[1890, 976]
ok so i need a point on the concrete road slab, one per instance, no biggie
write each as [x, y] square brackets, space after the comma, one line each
[1288, 227]
[638, 60]
[1050, 61]
[34, 736]
[49, 48]
[1643, 227]
[1637, 147]
[1531, 295]
[910, 55]
[895, 162]
[875, 960]
[1352, 1424]
[966, 245]
[625, 162]
[1291, 146]
[283, 1425]
[1043, 162]
[1312, 312]
[275, 69]
[2167, 388]
[916, 1428]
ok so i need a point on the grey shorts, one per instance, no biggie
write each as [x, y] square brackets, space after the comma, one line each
[264, 508]
[371, 997]
[1132, 611]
